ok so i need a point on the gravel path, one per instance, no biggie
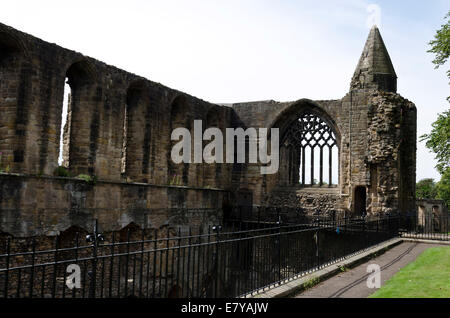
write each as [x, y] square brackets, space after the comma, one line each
[352, 283]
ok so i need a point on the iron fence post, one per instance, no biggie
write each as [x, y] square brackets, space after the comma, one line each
[94, 238]
[216, 261]
[279, 248]
[240, 214]
[32, 268]
[259, 215]
[389, 229]
[8, 252]
[317, 242]
[397, 222]
[364, 232]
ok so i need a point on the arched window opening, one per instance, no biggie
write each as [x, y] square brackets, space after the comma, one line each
[78, 138]
[178, 174]
[15, 90]
[9, 49]
[212, 171]
[137, 133]
[311, 152]
[124, 142]
[436, 215]
[63, 157]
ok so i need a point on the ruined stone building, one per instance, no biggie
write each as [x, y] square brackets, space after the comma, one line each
[355, 155]
[432, 215]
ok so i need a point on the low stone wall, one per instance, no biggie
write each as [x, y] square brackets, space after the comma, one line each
[322, 201]
[32, 205]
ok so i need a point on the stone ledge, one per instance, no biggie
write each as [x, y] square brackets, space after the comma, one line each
[71, 179]
[407, 239]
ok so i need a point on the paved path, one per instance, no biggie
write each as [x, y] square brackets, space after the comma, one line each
[352, 284]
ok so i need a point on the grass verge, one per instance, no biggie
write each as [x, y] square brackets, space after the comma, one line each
[427, 277]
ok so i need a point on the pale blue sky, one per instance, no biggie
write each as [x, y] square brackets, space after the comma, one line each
[233, 51]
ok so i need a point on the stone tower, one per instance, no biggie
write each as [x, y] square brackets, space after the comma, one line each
[375, 69]
[372, 171]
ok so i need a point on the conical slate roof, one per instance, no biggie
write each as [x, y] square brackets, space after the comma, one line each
[375, 69]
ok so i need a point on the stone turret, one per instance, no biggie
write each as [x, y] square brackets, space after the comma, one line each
[375, 69]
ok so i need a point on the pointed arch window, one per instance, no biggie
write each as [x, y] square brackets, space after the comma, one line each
[312, 148]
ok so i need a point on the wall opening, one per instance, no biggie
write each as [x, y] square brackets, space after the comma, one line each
[360, 201]
[244, 202]
[178, 174]
[124, 142]
[436, 215]
[14, 101]
[211, 171]
[137, 133]
[9, 49]
[311, 152]
[421, 218]
[64, 144]
[80, 130]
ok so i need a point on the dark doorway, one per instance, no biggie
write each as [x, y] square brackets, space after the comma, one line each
[245, 203]
[360, 200]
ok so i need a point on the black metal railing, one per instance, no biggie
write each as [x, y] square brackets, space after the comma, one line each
[425, 226]
[206, 262]
[260, 215]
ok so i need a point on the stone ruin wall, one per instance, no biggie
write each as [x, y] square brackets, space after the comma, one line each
[33, 201]
[119, 131]
[391, 154]
[377, 147]
[432, 216]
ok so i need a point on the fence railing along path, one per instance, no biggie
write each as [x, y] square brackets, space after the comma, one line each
[235, 259]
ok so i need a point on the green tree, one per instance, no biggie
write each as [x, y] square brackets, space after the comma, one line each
[443, 187]
[426, 189]
[438, 141]
[440, 46]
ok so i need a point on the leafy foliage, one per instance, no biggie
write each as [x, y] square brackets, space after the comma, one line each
[61, 172]
[443, 187]
[313, 281]
[438, 141]
[426, 189]
[440, 46]
[87, 178]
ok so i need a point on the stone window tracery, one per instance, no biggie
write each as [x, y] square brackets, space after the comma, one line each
[314, 142]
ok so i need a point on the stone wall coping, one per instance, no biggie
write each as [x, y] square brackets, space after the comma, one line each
[72, 179]
[431, 201]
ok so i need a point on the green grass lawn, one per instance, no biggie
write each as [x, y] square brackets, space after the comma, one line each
[427, 277]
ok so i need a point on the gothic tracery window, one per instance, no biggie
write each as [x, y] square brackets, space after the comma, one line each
[312, 151]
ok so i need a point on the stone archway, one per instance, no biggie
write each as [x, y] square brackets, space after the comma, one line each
[309, 146]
